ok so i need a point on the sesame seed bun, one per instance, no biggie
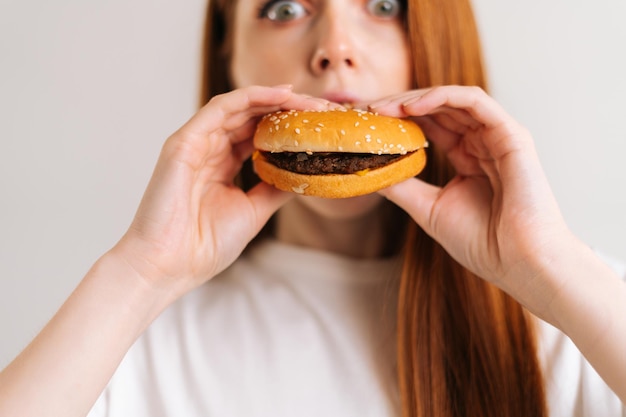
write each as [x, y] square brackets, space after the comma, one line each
[351, 134]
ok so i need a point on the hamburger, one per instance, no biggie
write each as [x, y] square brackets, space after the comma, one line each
[336, 153]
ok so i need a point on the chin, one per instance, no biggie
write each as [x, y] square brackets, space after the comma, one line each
[344, 208]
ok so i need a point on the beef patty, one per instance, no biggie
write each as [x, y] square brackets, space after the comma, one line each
[328, 162]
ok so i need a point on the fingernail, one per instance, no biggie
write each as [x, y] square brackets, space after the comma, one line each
[321, 104]
[284, 87]
[336, 106]
[379, 103]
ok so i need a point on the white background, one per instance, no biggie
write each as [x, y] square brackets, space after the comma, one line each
[89, 91]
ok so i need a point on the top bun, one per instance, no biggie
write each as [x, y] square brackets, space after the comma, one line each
[353, 131]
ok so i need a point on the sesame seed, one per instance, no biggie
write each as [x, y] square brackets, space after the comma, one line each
[343, 132]
[368, 140]
[357, 143]
[403, 130]
[320, 124]
[300, 189]
[286, 125]
[340, 148]
[365, 118]
[305, 121]
[317, 129]
[295, 142]
[379, 141]
[297, 131]
[373, 127]
[356, 124]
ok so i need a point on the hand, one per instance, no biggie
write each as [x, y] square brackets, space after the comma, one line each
[193, 221]
[498, 216]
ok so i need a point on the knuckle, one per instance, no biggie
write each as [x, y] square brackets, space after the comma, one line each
[477, 90]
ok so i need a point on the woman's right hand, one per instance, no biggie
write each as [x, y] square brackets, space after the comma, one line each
[193, 221]
[191, 224]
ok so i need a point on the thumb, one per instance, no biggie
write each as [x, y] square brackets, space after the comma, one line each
[417, 198]
[266, 200]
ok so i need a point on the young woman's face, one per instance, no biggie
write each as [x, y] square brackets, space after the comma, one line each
[346, 51]
[342, 50]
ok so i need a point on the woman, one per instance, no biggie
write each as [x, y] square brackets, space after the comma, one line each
[267, 335]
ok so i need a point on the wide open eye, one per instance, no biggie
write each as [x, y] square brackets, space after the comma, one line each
[386, 9]
[282, 10]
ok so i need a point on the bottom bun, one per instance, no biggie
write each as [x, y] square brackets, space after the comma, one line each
[340, 185]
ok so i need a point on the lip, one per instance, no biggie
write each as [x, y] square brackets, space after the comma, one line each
[341, 97]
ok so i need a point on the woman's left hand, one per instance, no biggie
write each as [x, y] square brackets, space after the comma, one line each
[498, 216]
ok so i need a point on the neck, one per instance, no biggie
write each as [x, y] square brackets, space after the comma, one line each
[375, 233]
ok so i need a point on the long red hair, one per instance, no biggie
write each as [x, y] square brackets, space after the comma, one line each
[465, 348]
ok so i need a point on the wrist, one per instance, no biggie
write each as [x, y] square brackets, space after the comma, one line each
[587, 287]
[589, 307]
[566, 284]
[128, 288]
[92, 330]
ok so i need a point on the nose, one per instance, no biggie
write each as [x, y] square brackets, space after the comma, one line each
[334, 49]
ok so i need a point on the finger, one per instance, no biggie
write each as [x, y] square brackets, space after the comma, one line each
[493, 175]
[266, 200]
[456, 120]
[450, 143]
[241, 138]
[437, 134]
[295, 102]
[400, 106]
[213, 114]
[394, 103]
[445, 120]
[453, 122]
[474, 100]
[502, 134]
[417, 198]
[230, 110]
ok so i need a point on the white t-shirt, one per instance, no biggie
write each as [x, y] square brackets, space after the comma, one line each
[291, 331]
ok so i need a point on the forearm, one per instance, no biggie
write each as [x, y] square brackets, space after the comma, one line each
[66, 367]
[589, 305]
